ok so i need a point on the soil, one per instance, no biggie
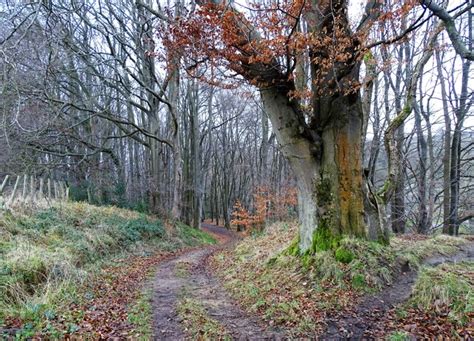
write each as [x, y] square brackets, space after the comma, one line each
[199, 284]
[366, 322]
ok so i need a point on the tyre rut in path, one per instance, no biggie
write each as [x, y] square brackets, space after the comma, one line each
[372, 310]
[198, 284]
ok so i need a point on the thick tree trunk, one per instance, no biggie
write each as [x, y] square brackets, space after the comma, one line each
[329, 172]
[341, 171]
[325, 153]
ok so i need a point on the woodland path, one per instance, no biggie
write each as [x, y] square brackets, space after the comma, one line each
[171, 285]
[197, 283]
[367, 321]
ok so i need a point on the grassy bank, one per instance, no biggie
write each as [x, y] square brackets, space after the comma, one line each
[442, 302]
[47, 256]
[298, 292]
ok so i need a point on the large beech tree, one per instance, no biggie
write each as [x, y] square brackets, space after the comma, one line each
[305, 60]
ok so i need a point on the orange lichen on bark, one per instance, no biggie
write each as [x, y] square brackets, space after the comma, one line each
[350, 204]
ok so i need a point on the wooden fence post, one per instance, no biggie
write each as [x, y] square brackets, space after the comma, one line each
[41, 188]
[12, 197]
[25, 184]
[32, 189]
[4, 183]
[49, 190]
[56, 191]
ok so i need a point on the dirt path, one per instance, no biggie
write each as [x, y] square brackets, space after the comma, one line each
[186, 275]
[370, 313]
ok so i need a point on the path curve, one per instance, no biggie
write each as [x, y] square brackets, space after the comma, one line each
[200, 285]
[373, 308]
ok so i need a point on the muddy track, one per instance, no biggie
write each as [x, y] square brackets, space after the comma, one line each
[366, 319]
[198, 284]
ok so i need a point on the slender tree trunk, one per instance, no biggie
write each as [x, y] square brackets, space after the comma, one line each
[263, 160]
[198, 180]
[461, 111]
[422, 219]
[447, 145]
[398, 198]
[454, 180]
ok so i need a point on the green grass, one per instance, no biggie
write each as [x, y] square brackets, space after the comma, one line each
[448, 287]
[140, 315]
[191, 236]
[269, 277]
[56, 245]
[45, 255]
[399, 336]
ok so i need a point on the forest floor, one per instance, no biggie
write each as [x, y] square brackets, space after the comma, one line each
[190, 302]
[240, 288]
[78, 271]
[374, 312]
[418, 287]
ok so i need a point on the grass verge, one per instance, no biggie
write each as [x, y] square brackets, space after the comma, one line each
[140, 315]
[298, 292]
[441, 304]
[448, 288]
[49, 258]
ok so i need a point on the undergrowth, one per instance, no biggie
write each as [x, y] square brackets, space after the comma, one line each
[45, 255]
[269, 276]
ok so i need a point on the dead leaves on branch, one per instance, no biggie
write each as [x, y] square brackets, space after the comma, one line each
[268, 205]
[219, 37]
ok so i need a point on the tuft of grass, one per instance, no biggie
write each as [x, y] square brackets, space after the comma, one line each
[181, 269]
[399, 336]
[343, 255]
[140, 316]
[446, 288]
[197, 323]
